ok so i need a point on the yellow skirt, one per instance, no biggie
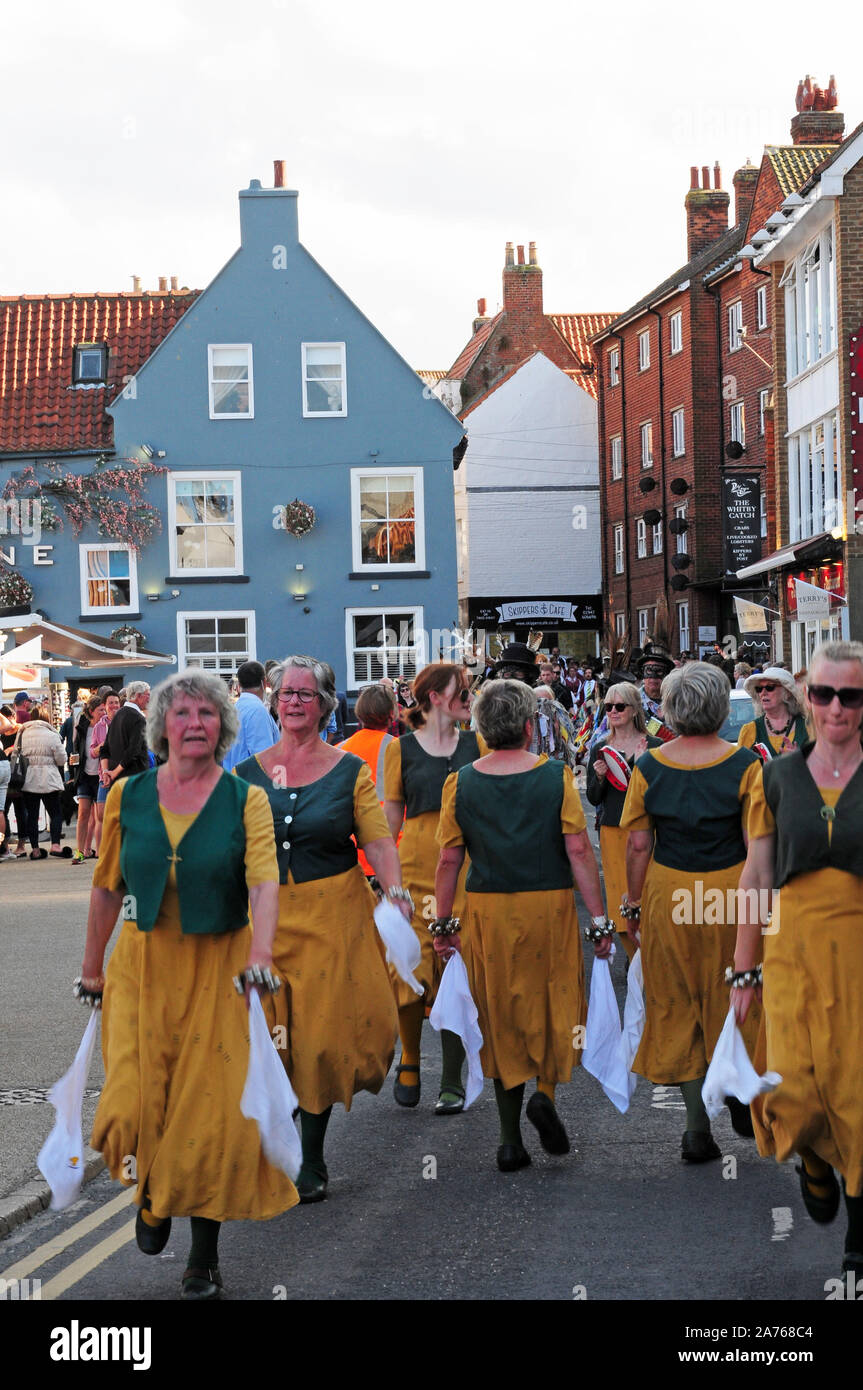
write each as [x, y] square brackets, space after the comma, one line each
[686, 998]
[175, 1041]
[612, 849]
[813, 1009]
[526, 973]
[334, 1020]
[419, 852]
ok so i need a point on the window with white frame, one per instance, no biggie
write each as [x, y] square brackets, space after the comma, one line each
[680, 515]
[644, 350]
[109, 578]
[763, 400]
[641, 538]
[809, 282]
[324, 386]
[616, 457]
[647, 444]
[217, 642]
[675, 332]
[761, 307]
[737, 423]
[814, 494]
[657, 538]
[205, 523]
[618, 550]
[678, 433]
[683, 625]
[620, 626]
[387, 519]
[643, 625]
[230, 376]
[383, 642]
[614, 367]
[735, 323]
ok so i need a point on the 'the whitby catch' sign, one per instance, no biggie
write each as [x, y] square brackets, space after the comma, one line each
[741, 514]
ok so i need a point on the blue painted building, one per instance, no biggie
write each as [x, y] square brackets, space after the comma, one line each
[273, 387]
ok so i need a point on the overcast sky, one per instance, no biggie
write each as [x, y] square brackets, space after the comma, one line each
[421, 139]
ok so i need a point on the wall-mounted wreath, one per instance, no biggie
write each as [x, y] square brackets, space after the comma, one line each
[297, 518]
[15, 590]
[129, 636]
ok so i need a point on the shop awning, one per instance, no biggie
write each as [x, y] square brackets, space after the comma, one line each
[800, 552]
[81, 649]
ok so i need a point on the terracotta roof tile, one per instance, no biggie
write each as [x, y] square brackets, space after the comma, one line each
[577, 331]
[468, 355]
[431, 378]
[793, 164]
[40, 409]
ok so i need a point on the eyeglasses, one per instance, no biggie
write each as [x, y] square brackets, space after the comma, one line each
[618, 708]
[305, 697]
[850, 696]
[760, 689]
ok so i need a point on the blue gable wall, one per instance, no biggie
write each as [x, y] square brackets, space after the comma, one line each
[274, 295]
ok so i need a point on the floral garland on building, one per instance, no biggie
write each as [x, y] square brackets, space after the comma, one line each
[297, 518]
[15, 590]
[90, 499]
[129, 636]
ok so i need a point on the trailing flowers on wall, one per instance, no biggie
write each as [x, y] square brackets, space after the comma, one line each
[15, 590]
[111, 498]
[297, 518]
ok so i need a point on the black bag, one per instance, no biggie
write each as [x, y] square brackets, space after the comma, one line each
[18, 765]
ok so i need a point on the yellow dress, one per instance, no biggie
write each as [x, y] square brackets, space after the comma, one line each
[684, 961]
[175, 1041]
[525, 963]
[612, 849]
[812, 997]
[334, 1023]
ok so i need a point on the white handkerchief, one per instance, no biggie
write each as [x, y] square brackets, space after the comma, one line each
[602, 1051]
[401, 942]
[268, 1097]
[731, 1073]
[61, 1157]
[455, 1010]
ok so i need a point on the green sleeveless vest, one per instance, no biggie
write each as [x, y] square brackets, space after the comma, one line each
[803, 841]
[511, 827]
[762, 734]
[210, 862]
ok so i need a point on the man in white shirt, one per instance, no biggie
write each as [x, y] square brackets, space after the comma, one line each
[258, 729]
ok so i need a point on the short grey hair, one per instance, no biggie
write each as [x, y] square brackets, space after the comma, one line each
[136, 688]
[201, 685]
[325, 678]
[500, 712]
[696, 698]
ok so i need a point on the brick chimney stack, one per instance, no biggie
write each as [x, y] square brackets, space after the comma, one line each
[817, 121]
[522, 285]
[481, 316]
[706, 210]
[744, 191]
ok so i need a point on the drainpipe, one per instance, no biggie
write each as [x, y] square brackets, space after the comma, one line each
[658, 318]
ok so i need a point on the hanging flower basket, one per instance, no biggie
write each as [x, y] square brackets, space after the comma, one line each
[128, 634]
[298, 518]
[15, 591]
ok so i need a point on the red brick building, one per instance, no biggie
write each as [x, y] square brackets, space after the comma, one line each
[685, 381]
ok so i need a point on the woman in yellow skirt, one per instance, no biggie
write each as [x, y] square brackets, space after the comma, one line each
[185, 850]
[520, 818]
[627, 735]
[690, 804]
[416, 768]
[812, 853]
[335, 1023]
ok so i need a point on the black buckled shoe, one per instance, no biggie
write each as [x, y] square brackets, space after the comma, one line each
[698, 1147]
[201, 1284]
[821, 1209]
[312, 1185]
[408, 1096]
[151, 1239]
[542, 1114]
[450, 1107]
[511, 1157]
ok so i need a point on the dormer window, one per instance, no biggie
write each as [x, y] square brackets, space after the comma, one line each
[91, 364]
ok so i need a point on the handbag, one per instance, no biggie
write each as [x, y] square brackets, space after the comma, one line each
[18, 766]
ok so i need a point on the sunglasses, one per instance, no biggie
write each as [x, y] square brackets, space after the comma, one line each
[850, 696]
[760, 689]
[463, 695]
[618, 708]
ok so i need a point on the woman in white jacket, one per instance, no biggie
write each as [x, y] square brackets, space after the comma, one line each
[46, 756]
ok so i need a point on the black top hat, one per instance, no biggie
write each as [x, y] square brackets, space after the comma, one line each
[517, 654]
[654, 655]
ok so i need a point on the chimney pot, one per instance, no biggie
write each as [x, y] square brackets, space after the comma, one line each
[717, 175]
[174, 283]
[705, 176]
[279, 173]
[136, 284]
[480, 308]
[163, 283]
[532, 253]
[510, 256]
[520, 250]
[693, 176]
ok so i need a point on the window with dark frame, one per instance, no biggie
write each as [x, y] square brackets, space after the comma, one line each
[90, 364]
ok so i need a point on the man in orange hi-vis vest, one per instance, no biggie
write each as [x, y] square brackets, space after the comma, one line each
[374, 709]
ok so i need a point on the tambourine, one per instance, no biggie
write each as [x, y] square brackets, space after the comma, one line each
[618, 769]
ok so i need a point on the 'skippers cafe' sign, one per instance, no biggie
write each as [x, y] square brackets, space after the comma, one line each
[741, 516]
[572, 612]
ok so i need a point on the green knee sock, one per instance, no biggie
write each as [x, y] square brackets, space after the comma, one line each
[509, 1108]
[205, 1243]
[314, 1129]
[453, 1056]
[696, 1115]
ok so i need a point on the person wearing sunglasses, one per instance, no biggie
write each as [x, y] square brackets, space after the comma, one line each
[627, 735]
[416, 767]
[780, 724]
[812, 961]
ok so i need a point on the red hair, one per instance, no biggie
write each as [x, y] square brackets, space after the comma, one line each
[433, 678]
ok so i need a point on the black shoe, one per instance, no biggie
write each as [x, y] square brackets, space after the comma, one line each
[821, 1209]
[511, 1157]
[312, 1185]
[450, 1107]
[151, 1239]
[200, 1284]
[741, 1117]
[542, 1114]
[698, 1147]
[408, 1096]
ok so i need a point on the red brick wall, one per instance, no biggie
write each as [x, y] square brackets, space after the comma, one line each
[522, 330]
